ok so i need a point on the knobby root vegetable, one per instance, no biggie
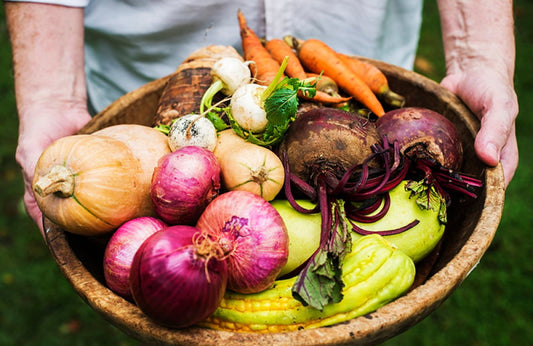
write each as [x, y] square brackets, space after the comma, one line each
[324, 83]
[374, 273]
[248, 167]
[184, 91]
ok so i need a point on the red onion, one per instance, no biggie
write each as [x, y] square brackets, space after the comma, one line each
[121, 248]
[252, 234]
[183, 183]
[178, 276]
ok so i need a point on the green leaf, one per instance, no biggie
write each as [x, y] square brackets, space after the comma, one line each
[320, 282]
[281, 106]
[428, 198]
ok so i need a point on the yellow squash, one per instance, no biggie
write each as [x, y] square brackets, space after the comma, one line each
[374, 273]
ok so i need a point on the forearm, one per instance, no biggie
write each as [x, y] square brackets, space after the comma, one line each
[47, 45]
[478, 33]
[50, 91]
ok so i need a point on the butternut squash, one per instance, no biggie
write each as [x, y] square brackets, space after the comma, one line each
[88, 184]
[148, 145]
[247, 166]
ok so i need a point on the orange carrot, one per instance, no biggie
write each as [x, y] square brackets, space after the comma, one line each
[374, 78]
[279, 49]
[265, 66]
[316, 56]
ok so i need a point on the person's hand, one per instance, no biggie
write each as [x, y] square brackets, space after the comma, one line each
[491, 96]
[49, 123]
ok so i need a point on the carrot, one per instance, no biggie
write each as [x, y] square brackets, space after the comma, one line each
[374, 78]
[316, 56]
[265, 66]
[279, 49]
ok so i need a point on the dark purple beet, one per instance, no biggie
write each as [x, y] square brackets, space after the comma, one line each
[327, 139]
[423, 133]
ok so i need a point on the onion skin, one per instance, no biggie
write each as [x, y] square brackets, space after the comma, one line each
[421, 131]
[253, 235]
[327, 139]
[121, 248]
[183, 183]
[172, 283]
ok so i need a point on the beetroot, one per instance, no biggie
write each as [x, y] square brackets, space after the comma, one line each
[327, 139]
[332, 157]
[423, 133]
[347, 165]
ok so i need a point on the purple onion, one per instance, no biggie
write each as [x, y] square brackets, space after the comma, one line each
[178, 276]
[183, 183]
[121, 248]
[253, 236]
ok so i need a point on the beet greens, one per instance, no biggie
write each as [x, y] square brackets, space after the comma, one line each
[353, 190]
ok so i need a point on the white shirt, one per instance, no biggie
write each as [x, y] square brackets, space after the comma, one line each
[131, 42]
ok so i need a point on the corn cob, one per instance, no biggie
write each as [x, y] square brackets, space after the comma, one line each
[374, 273]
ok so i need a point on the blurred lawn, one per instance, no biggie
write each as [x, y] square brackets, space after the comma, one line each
[494, 306]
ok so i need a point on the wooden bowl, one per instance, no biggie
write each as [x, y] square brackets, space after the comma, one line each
[471, 228]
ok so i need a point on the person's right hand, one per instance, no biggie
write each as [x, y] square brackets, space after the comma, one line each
[50, 122]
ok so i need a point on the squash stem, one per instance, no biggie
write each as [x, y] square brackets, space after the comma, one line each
[59, 181]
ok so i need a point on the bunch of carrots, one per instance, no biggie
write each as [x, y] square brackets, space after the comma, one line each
[307, 58]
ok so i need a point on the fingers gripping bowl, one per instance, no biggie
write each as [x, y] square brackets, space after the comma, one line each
[470, 230]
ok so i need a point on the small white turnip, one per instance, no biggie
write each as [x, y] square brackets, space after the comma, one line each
[192, 130]
[232, 73]
[247, 107]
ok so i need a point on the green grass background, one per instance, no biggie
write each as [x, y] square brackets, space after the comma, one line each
[494, 306]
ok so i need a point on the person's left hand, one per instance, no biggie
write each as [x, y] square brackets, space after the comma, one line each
[490, 95]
